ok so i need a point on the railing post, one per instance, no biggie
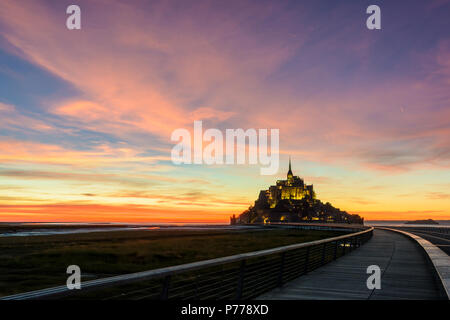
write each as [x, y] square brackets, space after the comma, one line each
[196, 286]
[240, 285]
[165, 290]
[280, 273]
[323, 253]
[307, 259]
[336, 243]
[345, 245]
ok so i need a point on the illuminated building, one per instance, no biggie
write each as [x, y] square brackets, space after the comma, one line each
[291, 200]
[293, 188]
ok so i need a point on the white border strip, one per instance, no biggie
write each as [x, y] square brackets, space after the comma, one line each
[440, 260]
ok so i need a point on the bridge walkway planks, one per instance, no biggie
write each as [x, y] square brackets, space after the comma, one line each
[405, 274]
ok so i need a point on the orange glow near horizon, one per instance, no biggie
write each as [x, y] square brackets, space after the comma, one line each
[144, 214]
[104, 213]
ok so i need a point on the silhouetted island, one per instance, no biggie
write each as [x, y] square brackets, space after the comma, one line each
[291, 200]
[428, 221]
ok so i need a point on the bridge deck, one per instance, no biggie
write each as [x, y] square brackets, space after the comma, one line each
[405, 274]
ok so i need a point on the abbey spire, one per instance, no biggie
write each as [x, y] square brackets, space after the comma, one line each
[290, 176]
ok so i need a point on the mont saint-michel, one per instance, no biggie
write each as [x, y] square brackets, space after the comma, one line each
[292, 200]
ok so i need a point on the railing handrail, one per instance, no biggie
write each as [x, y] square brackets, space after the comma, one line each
[172, 270]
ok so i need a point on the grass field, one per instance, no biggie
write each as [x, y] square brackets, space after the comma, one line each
[29, 263]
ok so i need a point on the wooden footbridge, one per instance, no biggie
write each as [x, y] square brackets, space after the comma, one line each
[334, 268]
[406, 273]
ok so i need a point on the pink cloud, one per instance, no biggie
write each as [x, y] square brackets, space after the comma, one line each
[150, 79]
[143, 79]
[16, 151]
[12, 119]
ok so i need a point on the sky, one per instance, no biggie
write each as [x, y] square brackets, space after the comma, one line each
[86, 115]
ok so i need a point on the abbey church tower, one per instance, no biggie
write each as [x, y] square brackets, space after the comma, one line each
[290, 176]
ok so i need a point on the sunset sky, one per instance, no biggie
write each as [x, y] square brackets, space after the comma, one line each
[86, 115]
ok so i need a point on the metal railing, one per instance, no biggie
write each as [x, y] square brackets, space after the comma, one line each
[439, 231]
[241, 276]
